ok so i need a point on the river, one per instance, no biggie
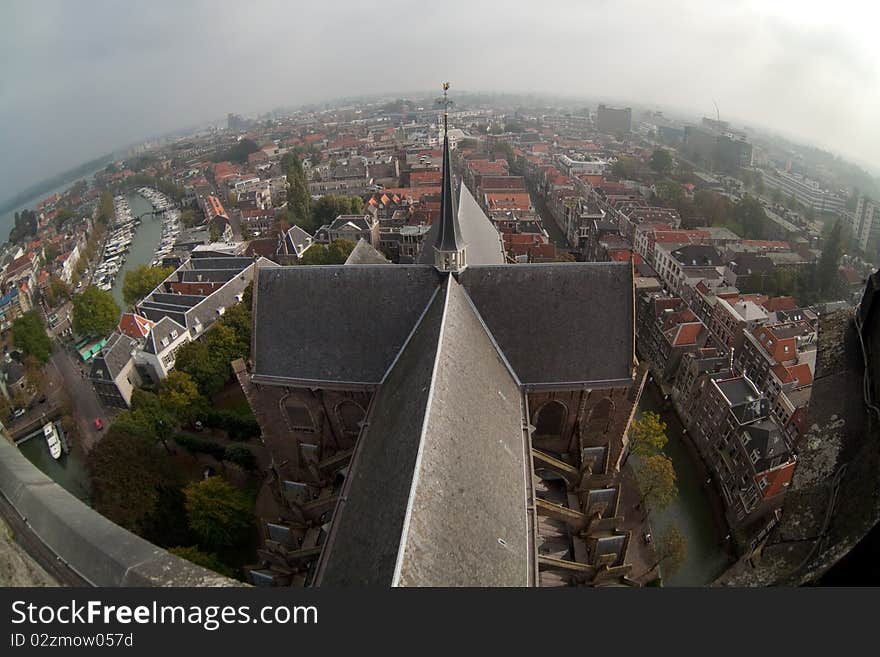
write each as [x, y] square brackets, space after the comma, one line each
[69, 471]
[7, 220]
[143, 246]
[691, 511]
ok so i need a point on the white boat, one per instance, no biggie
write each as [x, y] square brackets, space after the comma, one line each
[52, 439]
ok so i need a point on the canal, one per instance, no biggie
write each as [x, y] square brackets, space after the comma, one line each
[143, 245]
[70, 471]
[691, 511]
[557, 237]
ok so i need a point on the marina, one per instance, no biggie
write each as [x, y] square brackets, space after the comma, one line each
[142, 220]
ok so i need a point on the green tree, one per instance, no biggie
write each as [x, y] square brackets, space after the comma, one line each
[626, 168]
[94, 312]
[207, 371]
[647, 435]
[105, 207]
[661, 161]
[829, 261]
[57, 291]
[35, 375]
[219, 514]
[141, 281]
[207, 560]
[749, 214]
[179, 394]
[671, 550]
[29, 336]
[298, 198]
[131, 479]
[656, 476]
[669, 192]
[334, 254]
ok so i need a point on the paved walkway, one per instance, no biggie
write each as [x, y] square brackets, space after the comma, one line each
[640, 554]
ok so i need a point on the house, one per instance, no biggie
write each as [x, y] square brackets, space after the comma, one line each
[295, 243]
[113, 373]
[157, 357]
[746, 449]
[352, 227]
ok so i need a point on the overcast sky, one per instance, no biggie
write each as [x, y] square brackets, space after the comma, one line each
[79, 79]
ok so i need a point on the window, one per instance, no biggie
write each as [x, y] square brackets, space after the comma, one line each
[173, 334]
[350, 415]
[550, 419]
[164, 341]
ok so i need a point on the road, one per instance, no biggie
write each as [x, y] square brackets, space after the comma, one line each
[86, 406]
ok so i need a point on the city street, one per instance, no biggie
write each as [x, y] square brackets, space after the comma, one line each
[83, 399]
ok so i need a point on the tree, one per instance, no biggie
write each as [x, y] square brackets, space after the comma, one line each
[208, 372]
[94, 312]
[671, 550]
[180, 396]
[661, 161]
[625, 168]
[669, 192]
[648, 435]
[33, 372]
[749, 214]
[220, 516]
[298, 199]
[656, 476]
[334, 254]
[105, 207]
[29, 336]
[829, 261]
[131, 480]
[140, 282]
[207, 560]
[57, 291]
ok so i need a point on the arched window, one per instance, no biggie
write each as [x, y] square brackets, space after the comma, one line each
[350, 415]
[550, 419]
[298, 415]
[601, 415]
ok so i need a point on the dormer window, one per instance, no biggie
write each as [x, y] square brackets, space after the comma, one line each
[221, 310]
[173, 334]
[165, 341]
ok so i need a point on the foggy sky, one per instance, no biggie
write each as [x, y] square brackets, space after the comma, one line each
[79, 79]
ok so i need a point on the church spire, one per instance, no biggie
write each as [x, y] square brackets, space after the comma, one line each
[449, 249]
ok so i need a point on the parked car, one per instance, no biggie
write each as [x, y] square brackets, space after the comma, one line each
[99, 424]
[19, 412]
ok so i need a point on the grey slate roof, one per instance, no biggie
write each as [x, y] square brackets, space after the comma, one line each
[363, 253]
[113, 356]
[482, 239]
[443, 503]
[160, 330]
[367, 528]
[343, 323]
[558, 322]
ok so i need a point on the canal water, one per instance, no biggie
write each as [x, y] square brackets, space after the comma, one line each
[70, 471]
[143, 246]
[691, 511]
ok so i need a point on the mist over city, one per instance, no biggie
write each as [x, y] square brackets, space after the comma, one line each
[83, 79]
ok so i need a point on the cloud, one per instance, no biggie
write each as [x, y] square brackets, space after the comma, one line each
[80, 79]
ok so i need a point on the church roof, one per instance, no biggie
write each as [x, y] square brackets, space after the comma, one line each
[451, 510]
[337, 323]
[557, 324]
